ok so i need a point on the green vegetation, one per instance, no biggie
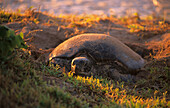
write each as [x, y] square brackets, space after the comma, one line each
[6, 17]
[9, 41]
[117, 93]
[20, 86]
[145, 27]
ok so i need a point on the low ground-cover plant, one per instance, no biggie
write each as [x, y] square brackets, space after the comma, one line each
[145, 27]
[8, 42]
[28, 15]
[7, 16]
[21, 85]
[119, 95]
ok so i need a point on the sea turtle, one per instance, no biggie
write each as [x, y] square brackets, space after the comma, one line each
[85, 50]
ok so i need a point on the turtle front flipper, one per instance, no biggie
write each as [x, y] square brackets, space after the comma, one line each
[81, 66]
[61, 62]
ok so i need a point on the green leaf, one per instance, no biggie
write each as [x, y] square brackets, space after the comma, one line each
[11, 33]
[3, 31]
[22, 35]
[9, 41]
[18, 41]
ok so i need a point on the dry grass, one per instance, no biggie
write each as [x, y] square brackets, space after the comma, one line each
[161, 48]
[145, 27]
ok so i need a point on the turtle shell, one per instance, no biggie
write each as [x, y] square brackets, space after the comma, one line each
[99, 46]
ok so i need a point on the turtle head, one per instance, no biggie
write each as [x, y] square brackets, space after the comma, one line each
[81, 66]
